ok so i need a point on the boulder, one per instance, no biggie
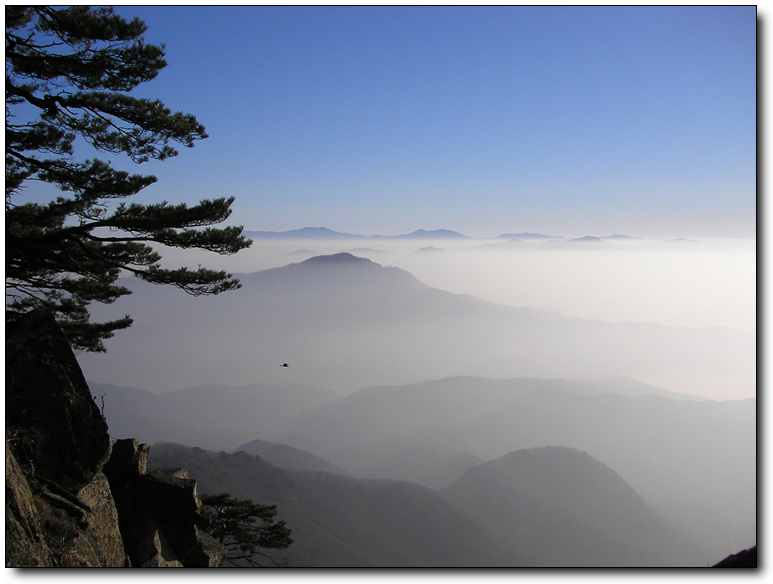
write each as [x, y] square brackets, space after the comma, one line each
[207, 553]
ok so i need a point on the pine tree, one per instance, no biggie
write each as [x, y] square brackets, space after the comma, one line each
[69, 72]
[234, 524]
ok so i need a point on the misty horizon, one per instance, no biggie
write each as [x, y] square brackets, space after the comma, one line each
[683, 286]
[314, 231]
[676, 281]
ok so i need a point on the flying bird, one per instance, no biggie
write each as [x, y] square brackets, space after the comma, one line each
[284, 365]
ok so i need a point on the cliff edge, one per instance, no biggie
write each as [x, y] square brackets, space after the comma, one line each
[72, 497]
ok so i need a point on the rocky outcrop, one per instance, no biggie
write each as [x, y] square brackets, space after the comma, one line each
[72, 498]
[48, 526]
[58, 430]
[25, 541]
[160, 513]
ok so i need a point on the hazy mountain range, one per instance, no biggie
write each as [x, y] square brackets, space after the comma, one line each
[212, 416]
[545, 507]
[346, 322]
[325, 233]
[694, 461]
[389, 379]
[562, 507]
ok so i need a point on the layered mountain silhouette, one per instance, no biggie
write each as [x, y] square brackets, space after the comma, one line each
[534, 236]
[505, 381]
[347, 322]
[290, 458]
[542, 507]
[563, 508]
[325, 233]
[339, 521]
[214, 416]
[692, 460]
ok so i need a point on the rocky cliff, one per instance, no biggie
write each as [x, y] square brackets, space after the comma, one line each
[73, 497]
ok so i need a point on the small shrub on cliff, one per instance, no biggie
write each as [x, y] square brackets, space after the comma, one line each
[235, 525]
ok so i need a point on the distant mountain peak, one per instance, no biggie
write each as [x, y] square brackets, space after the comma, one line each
[349, 268]
[325, 233]
[435, 233]
[587, 239]
[342, 258]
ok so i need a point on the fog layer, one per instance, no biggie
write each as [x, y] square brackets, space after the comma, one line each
[345, 322]
[676, 282]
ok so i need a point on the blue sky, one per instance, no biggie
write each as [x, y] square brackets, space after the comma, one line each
[564, 120]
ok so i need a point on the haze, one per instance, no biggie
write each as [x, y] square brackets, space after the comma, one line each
[675, 281]
[362, 327]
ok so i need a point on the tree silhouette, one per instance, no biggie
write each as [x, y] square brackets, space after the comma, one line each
[69, 71]
[235, 525]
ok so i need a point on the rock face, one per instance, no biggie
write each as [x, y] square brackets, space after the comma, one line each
[72, 499]
[59, 428]
[25, 542]
[160, 513]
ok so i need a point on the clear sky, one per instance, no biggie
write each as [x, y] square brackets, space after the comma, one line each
[563, 120]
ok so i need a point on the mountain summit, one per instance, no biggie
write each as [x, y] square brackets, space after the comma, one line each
[434, 234]
[565, 508]
[340, 259]
[347, 322]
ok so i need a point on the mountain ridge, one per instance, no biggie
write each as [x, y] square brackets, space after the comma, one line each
[565, 508]
[344, 321]
[226, 414]
[430, 433]
[342, 521]
[325, 233]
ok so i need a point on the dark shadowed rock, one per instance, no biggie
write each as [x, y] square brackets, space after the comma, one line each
[57, 443]
[128, 461]
[49, 405]
[743, 559]
[207, 553]
[48, 527]
[61, 509]
[161, 518]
